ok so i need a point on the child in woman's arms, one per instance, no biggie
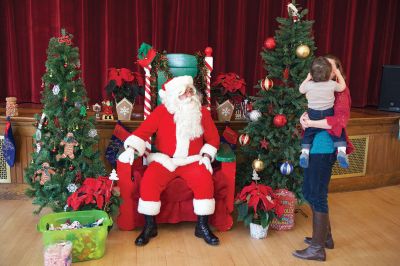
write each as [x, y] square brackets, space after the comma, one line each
[319, 90]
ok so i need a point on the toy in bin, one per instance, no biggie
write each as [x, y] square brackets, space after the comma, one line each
[87, 242]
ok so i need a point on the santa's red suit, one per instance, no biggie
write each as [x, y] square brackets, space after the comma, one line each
[176, 156]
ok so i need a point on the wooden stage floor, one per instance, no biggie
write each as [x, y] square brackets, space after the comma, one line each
[365, 228]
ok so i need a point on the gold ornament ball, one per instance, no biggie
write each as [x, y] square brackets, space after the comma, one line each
[303, 51]
[258, 165]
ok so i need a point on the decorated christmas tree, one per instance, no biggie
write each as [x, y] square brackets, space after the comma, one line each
[272, 139]
[64, 154]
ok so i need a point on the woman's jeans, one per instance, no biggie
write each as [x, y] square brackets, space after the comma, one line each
[316, 180]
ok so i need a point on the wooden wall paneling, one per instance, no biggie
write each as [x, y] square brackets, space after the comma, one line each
[383, 162]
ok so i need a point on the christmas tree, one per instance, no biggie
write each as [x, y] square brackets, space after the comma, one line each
[64, 155]
[272, 139]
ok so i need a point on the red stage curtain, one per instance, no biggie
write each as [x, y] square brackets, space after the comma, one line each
[363, 33]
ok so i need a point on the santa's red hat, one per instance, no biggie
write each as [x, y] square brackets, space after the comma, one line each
[176, 87]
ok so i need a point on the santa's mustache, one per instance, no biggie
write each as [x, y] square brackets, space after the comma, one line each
[190, 99]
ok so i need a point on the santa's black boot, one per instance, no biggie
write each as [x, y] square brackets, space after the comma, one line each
[149, 231]
[204, 231]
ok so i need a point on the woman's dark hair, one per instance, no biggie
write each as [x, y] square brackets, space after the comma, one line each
[321, 69]
[337, 62]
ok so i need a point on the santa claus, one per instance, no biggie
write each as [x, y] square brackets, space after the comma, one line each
[187, 141]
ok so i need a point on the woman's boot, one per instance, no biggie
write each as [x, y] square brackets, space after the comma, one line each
[316, 251]
[149, 231]
[203, 230]
[329, 240]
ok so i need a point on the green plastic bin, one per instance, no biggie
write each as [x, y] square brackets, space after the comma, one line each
[87, 243]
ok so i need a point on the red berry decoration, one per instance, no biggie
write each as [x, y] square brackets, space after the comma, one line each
[286, 73]
[208, 51]
[280, 120]
[270, 43]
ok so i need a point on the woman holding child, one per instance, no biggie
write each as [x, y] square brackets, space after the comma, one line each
[319, 160]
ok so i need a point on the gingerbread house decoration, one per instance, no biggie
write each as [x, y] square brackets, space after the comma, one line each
[124, 109]
[225, 111]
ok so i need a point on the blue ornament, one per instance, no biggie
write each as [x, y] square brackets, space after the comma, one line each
[286, 168]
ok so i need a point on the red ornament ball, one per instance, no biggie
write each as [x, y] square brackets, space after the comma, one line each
[71, 167]
[280, 120]
[244, 139]
[54, 150]
[46, 123]
[65, 65]
[270, 43]
[266, 84]
[208, 51]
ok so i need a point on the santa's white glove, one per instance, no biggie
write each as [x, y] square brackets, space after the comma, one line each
[207, 163]
[128, 156]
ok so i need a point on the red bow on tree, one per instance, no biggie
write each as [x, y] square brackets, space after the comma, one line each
[119, 75]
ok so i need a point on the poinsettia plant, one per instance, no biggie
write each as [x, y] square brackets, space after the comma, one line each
[257, 203]
[228, 86]
[96, 193]
[123, 83]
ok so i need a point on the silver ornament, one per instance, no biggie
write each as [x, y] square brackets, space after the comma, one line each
[56, 89]
[92, 133]
[255, 115]
[72, 188]
[38, 147]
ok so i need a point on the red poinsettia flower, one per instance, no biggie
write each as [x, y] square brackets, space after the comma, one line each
[139, 78]
[260, 197]
[93, 191]
[230, 82]
[120, 75]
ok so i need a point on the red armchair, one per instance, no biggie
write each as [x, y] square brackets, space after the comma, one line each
[177, 198]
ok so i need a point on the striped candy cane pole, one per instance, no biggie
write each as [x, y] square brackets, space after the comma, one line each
[147, 93]
[209, 64]
[147, 107]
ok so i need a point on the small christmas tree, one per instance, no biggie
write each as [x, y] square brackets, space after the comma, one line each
[274, 132]
[65, 137]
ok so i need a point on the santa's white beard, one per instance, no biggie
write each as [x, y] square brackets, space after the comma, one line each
[187, 117]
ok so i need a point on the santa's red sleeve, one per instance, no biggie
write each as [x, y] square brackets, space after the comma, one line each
[211, 136]
[138, 138]
[341, 116]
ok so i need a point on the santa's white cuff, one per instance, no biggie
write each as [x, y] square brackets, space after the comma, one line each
[210, 150]
[149, 207]
[204, 206]
[136, 143]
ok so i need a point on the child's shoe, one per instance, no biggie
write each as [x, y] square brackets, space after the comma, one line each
[343, 159]
[304, 160]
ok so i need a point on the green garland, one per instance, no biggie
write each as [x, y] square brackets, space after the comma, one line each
[160, 63]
